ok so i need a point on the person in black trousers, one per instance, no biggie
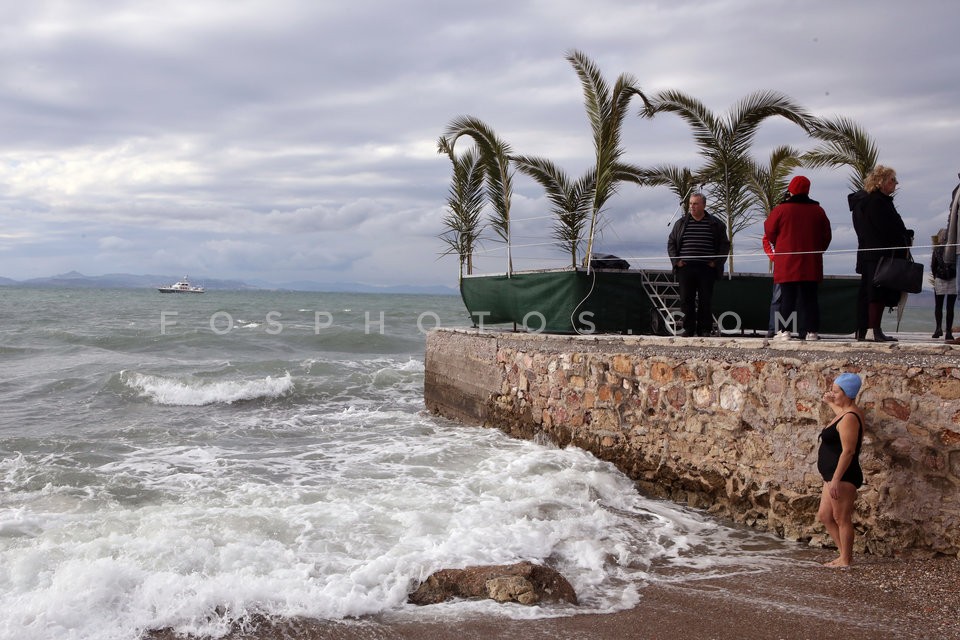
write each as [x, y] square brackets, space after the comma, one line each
[880, 232]
[698, 248]
[944, 286]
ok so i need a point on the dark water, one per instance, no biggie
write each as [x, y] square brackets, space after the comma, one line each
[187, 461]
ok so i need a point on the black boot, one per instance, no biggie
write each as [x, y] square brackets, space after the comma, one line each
[880, 336]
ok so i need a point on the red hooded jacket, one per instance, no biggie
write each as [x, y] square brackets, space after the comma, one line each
[800, 232]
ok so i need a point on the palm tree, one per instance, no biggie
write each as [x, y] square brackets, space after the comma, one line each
[725, 142]
[681, 180]
[768, 183]
[843, 143]
[570, 200]
[465, 201]
[606, 110]
[495, 158]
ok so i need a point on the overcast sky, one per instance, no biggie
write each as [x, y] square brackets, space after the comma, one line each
[287, 140]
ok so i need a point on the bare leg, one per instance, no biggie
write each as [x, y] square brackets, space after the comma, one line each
[837, 517]
[825, 515]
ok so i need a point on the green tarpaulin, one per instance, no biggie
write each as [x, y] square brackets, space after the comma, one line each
[567, 301]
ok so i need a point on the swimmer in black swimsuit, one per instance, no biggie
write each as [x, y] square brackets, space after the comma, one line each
[839, 463]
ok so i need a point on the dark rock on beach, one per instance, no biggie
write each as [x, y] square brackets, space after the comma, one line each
[524, 582]
[904, 598]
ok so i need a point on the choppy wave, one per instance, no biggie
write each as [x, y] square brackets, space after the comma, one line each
[338, 526]
[171, 391]
[312, 483]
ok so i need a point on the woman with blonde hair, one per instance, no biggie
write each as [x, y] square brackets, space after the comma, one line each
[880, 232]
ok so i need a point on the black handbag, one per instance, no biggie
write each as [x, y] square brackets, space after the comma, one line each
[899, 274]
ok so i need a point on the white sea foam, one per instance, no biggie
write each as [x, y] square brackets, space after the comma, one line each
[196, 393]
[344, 527]
[119, 515]
[16, 522]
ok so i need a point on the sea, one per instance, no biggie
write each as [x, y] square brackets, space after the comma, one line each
[192, 462]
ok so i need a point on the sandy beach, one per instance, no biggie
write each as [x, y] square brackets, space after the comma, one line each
[876, 599]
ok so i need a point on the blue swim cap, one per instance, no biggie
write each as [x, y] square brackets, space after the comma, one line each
[850, 383]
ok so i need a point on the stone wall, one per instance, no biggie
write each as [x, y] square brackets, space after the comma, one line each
[726, 425]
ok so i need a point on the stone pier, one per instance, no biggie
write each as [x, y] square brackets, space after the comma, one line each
[726, 425]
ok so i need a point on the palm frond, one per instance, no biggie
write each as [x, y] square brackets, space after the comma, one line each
[680, 180]
[595, 91]
[465, 202]
[768, 182]
[495, 154]
[606, 112]
[705, 125]
[570, 200]
[725, 142]
[843, 143]
[747, 114]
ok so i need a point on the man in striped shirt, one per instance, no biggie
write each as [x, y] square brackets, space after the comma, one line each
[697, 247]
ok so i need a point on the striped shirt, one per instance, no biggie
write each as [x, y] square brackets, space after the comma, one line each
[697, 240]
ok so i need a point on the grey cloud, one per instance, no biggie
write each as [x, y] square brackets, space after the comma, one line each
[294, 139]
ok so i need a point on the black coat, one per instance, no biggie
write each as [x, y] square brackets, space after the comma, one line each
[721, 244]
[880, 229]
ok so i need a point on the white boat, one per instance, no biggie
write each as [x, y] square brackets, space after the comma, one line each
[181, 286]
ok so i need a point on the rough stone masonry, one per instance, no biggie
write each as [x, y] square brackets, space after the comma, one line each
[726, 425]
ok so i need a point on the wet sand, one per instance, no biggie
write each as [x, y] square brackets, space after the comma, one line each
[876, 599]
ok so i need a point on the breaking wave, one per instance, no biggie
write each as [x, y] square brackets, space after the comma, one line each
[169, 391]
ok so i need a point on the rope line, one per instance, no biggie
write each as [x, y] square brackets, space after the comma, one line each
[754, 254]
[533, 218]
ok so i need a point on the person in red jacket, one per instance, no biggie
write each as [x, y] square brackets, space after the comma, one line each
[800, 230]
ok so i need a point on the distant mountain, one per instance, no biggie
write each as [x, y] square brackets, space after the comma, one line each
[74, 279]
[77, 280]
[356, 287]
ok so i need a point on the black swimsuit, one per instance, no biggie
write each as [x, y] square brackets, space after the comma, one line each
[829, 454]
